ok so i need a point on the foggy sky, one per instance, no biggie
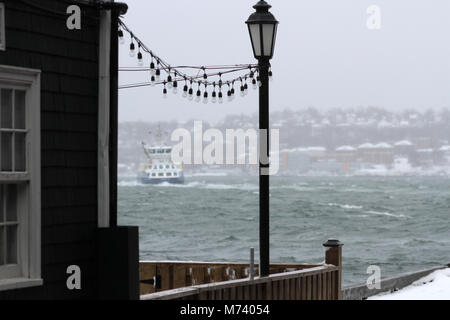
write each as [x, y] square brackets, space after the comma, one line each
[325, 55]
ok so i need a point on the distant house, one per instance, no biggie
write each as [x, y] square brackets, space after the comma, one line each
[404, 148]
[381, 153]
[58, 233]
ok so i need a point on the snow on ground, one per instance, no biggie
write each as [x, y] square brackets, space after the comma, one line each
[435, 286]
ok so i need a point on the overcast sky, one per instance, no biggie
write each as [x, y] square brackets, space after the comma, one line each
[325, 55]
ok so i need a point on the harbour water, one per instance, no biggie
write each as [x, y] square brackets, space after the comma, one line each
[397, 223]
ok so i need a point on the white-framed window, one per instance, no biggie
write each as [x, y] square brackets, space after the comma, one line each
[20, 194]
[2, 27]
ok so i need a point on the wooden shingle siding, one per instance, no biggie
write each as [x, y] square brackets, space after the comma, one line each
[69, 106]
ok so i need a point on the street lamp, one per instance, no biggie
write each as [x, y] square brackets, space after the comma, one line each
[262, 27]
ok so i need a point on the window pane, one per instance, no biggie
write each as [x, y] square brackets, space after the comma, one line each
[11, 244]
[6, 108]
[6, 151]
[19, 109]
[2, 245]
[19, 150]
[2, 214]
[11, 202]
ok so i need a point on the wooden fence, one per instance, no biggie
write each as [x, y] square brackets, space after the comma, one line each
[224, 281]
[318, 283]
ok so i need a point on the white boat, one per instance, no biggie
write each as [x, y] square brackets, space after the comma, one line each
[159, 167]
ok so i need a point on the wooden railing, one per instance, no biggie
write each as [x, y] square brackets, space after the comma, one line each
[318, 283]
[179, 274]
[224, 281]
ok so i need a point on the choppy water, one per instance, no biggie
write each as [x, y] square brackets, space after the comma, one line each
[398, 223]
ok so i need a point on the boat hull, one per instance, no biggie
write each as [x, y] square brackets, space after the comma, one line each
[146, 180]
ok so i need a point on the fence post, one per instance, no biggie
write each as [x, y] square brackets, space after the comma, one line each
[333, 255]
[252, 263]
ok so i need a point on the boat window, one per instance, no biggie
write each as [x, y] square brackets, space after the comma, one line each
[169, 174]
[167, 166]
[175, 174]
[160, 151]
[173, 167]
[161, 166]
[151, 151]
[160, 174]
[168, 150]
[153, 174]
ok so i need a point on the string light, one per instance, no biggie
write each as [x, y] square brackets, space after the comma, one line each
[132, 49]
[174, 75]
[121, 38]
[214, 94]
[165, 90]
[139, 56]
[199, 94]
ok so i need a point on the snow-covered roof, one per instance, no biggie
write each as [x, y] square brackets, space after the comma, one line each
[317, 149]
[425, 150]
[384, 124]
[444, 148]
[366, 145]
[345, 148]
[383, 145]
[403, 143]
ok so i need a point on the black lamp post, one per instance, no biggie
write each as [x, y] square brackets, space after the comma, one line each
[262, 27]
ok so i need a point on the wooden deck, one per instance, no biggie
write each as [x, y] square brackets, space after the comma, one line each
[227, 281]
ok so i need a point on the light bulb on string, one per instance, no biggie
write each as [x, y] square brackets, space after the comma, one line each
[242, 88]
[158, 73]
[165, 91]
[191, 92]
[258, 80]
[169, 79]
[254, 84]
[205, 94]
[214, 94]
[132, 48]
[175, 87]
[152, 67]
[270, 74]
[139, 56]
[153, 80]
[232, 90]
[245, 87]
[220, 97]
[185, 89]
[199, 94]
[121, 38]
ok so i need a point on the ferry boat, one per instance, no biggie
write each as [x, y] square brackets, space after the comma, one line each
[160, 167]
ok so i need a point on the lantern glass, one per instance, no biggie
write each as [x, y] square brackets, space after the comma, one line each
[268, 39]
[256, 39]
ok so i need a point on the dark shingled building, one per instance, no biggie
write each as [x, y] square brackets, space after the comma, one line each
[58, 129]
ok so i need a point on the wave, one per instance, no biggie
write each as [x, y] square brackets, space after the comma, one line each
[344, 206]
[132, 183]
[388, 214]
[194, 184]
